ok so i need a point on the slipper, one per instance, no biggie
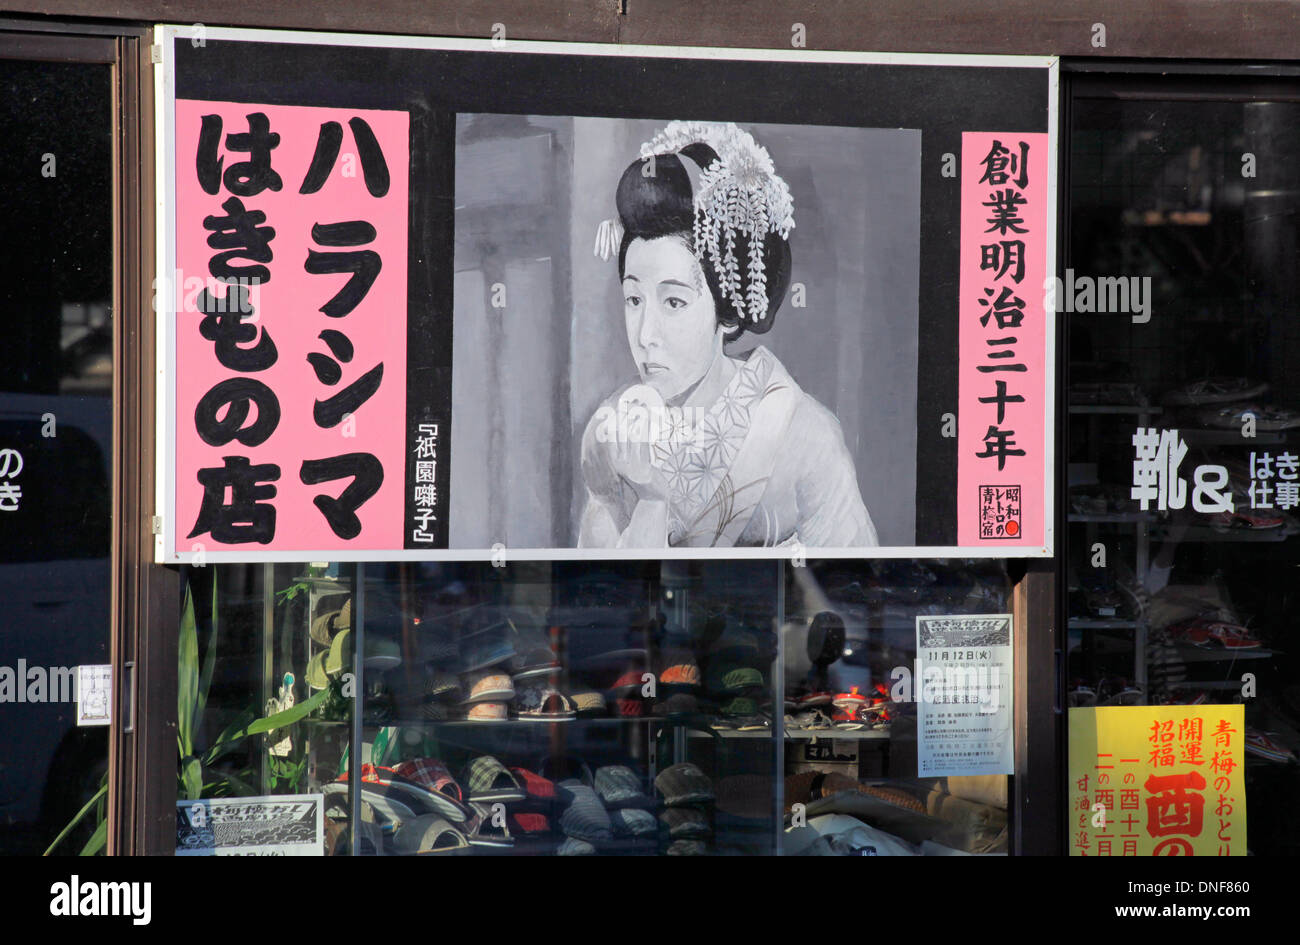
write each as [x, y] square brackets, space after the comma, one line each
[812, 720]
[1265, 745]
[684, 783]
[439, 684]
[429, 834]
[482, 832]
[585, 817]
[488, 687]
[633, 822]
[588, 702]
[729, 678]
[679, 703]
[685, 822]
[490, 780]
[530, 822]
[740, 707]
[432, 775]
[407, 796]
[386, 802]
[536, 787]
[687, 848]
[487, 647]
[849, 701]
[381, 653]
[533, 655]
[620, 786]
[340, 653]
[575, 847]
[628, 684]
[678, 668]
[630, 708]
[567, 768]
[543, 704]
[814, 699]
[439, 642]
[331, 619]
[316, 677]
[1214, 390]
[488, 712]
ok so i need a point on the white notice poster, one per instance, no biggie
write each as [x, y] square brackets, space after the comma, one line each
[963, 675]
[279, 825]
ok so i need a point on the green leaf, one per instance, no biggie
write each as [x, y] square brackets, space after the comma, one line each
[287, 717]
[192, 777]
[227, 740]
[224, 784]
[99, 795]
[209, 662]
[187, 676]
[97, 840]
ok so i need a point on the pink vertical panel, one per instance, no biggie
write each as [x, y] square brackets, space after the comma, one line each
[1004, 211]
[288, 306]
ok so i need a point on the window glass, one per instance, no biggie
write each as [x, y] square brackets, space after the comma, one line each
[56, 427]
[615, 708]
[1182, 470]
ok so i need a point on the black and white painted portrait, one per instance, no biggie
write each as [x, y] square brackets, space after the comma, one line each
[684, 334]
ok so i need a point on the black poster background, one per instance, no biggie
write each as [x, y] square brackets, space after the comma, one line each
[433, 85]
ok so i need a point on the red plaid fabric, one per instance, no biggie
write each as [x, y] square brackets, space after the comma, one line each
[371, 773]
[630, 707]
[630, 678]
[431, 773]
[530, 823]
[534, 784]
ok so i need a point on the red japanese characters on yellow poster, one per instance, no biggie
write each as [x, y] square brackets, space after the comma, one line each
[1157, 781]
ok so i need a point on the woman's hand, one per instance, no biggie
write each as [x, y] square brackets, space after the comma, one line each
[641, 420]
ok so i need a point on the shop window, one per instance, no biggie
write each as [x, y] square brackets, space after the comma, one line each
[1182, 477]
[56, 430]
[620, 708]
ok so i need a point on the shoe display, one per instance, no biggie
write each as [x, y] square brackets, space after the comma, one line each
[1215, 390]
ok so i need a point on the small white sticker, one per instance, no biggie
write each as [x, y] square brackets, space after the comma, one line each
[95, 694]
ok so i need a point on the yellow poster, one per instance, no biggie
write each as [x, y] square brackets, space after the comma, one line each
[1164, 780]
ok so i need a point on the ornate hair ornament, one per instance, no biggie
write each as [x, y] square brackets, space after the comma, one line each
[740, 192]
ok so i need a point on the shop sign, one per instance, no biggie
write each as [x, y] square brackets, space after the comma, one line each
[485, 299]
[1157, 781]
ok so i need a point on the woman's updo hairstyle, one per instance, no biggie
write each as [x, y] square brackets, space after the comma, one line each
[659, 204]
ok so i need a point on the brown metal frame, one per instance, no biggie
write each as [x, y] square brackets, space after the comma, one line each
[143, 597]
[1036, 786]
[143, 819]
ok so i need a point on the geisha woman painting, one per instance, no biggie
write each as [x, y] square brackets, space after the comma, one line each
[711, 442]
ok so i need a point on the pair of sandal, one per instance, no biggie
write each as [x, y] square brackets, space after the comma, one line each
[430, 834]
[809, 720]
